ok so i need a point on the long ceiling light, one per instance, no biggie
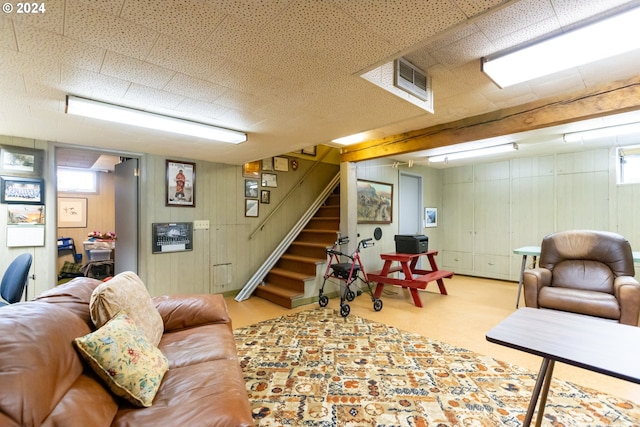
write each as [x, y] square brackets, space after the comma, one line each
[608, 37]
[114, 113]
[605, 132]
[496, 149]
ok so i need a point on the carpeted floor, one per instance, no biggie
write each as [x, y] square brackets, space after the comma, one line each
[315, 368]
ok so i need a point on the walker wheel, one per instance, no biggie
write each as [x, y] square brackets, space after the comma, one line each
[377, 304]
[323, 301]
[350, 295]
[345, 310]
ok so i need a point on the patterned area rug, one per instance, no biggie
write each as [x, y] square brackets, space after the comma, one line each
[316, 368]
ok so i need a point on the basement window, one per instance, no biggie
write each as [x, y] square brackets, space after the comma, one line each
[629, 165]
[77, 181]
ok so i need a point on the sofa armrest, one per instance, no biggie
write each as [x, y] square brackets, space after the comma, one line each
[534, 279]
[186, 311]
[627, 291]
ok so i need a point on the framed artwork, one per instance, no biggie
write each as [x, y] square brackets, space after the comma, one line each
[251, 188]
[72, 212]
[269, 180]
[181, 184]
[251, 169]
[430, 217]
[22, 190]
[310, 151]
[25, 214]
[171, 237]
[267, 164]
[281, 164]
[20, 161]
[375, 202]
[251, 207]
[265, 197]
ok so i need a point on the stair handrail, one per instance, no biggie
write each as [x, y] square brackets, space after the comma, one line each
[261, 273]
[286, 197]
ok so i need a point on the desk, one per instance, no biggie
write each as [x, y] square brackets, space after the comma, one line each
[534, 251]
[414, 278]
[583, 341]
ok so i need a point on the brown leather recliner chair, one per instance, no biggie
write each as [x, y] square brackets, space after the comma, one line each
[586, 272]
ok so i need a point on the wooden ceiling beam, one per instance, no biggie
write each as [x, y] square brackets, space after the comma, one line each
[611, 98]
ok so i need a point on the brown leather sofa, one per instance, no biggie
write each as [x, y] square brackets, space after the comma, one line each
[586, 272]
[44, 382]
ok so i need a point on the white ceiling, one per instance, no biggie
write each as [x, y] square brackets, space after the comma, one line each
[284, 71]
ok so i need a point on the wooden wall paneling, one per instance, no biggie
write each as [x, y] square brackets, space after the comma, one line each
[583, 201]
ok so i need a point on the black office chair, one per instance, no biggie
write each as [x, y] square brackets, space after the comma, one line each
[15, 279]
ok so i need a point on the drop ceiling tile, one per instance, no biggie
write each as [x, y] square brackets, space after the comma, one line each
[391, 20]
[239, 77]
[107, 31]
[151, 99]
[515, 17]
[199, 110]
[29, 66]
[527, 34]
[7, 34]
[48, 45]
[111, 7]
[83, 83]
[51, 19]
[189, 21]
[190, 60]
[195, 88]
[472, 8]
[619, 67]
[255, 13]
[463, 51]
[135, 70]
[572, 11]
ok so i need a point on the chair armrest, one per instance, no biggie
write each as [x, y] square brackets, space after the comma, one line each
[627, 291]
[186, 311]
[534, 279]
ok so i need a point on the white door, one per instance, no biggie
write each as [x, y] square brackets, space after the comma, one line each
[410, 201]
[126, 204]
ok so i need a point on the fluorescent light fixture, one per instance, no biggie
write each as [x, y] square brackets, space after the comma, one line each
[496, 149]
[114, 113]
[585, 135]
[611, 36]
[351, 139]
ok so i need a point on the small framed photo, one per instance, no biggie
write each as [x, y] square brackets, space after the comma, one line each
[251, 188]
[20, 161]
[171, 237]
[72, 212]
[309, 151]
[281, 164]
[22, 190]
[430, 217]
[265, 197]
[251, 207]
[25, 215]
[267, 164]
[251, 169]
[269, 180]
[181, 184]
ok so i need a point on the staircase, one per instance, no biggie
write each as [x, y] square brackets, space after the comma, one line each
[285, 283]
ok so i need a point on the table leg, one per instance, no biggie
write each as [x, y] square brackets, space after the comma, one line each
[544, 377]
[524, 264]
[416, 297]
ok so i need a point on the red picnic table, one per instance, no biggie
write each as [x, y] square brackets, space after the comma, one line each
[414, 278]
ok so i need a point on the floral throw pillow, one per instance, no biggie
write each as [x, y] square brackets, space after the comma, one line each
[120, 354]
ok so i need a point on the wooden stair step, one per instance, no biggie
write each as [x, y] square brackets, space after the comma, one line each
[303, 259]
[277, 295]
[289, 274]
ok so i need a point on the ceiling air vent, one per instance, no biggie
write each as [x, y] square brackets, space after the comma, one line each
[411, 79]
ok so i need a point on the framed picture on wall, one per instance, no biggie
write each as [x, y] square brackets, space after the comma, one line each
[72, 212]
[375, 202]
[269, 180]
[265, 197]
[251, 188]
[20, 161]
[251, 207]
[22, 190]
[171, 237]
[25, 215]
[430, 217]
[181, 184]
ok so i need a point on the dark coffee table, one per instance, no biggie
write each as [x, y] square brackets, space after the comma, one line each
[587, 342]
